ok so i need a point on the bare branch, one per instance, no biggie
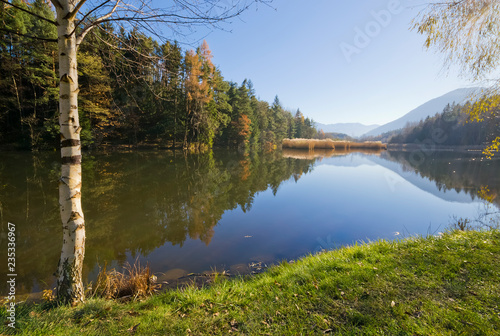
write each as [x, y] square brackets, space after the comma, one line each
[28, 36]
[85, 31]
[90, 12]
[29, 12]
[72, 14]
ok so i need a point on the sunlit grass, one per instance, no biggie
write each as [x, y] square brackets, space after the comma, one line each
[445, 285]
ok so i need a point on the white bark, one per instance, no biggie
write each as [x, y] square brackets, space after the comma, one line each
[69, 274]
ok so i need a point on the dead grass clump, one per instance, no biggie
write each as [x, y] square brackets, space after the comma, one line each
[134, 282]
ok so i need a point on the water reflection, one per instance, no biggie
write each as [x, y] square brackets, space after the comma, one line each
[188, 213]
[133, 203]
[466, 172]
[325, 153]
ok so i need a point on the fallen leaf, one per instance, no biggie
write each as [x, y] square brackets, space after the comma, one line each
[393, 303]
[33, 314]
[133, 329]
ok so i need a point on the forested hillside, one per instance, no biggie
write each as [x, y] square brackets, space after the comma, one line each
[140, 92]
[452, 128]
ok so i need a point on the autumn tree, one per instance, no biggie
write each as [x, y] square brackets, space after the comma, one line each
[467, 33]
[198, 72]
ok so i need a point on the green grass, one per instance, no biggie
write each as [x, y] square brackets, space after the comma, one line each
[448, 285]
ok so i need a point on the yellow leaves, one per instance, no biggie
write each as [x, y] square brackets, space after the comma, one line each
[48, 295]
[465, 32]
[484, 105]
[486, 194]
[494, 147]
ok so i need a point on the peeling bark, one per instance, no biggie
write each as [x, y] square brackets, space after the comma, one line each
[69, 274]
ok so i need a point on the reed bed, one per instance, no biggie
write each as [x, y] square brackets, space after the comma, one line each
[312, 144]
[368, 145]
[308, 144]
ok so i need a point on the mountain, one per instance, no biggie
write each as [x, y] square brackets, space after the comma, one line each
[351, 129]
[430, 108]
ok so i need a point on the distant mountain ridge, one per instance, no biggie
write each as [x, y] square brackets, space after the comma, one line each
[351, 129]
[425, 110]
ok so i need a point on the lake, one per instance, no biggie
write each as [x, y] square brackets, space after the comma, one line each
[229, 211]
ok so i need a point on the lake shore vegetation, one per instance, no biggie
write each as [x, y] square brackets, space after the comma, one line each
[312, 144]
[436, 285]
[161, 94]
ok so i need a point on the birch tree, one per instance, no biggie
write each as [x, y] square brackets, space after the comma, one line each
[75, 19]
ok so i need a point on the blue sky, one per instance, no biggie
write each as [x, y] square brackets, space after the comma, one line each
[311, 54]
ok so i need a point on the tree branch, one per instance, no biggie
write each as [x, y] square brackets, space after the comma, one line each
[56, 4]
[90, 12]
[72, 15]
[29, 12]
[28, 36]
[85, 30]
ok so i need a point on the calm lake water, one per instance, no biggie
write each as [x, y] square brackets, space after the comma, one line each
[190, 214]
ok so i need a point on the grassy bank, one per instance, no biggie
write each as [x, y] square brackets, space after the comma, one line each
[423, 286]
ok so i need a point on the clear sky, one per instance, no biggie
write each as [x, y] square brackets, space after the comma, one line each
[313, 56]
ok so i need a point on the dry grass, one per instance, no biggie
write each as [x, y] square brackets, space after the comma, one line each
[368, 145]
[308, 144]
[134, 282]
[312, 144]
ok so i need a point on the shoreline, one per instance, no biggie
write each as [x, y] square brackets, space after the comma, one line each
[421, 285]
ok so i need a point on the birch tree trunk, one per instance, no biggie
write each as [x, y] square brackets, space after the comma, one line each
[69, 274]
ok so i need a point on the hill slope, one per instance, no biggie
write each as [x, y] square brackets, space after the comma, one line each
[425, 110]
[351, 129]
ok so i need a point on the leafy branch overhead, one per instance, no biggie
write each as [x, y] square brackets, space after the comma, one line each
[467, 33]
